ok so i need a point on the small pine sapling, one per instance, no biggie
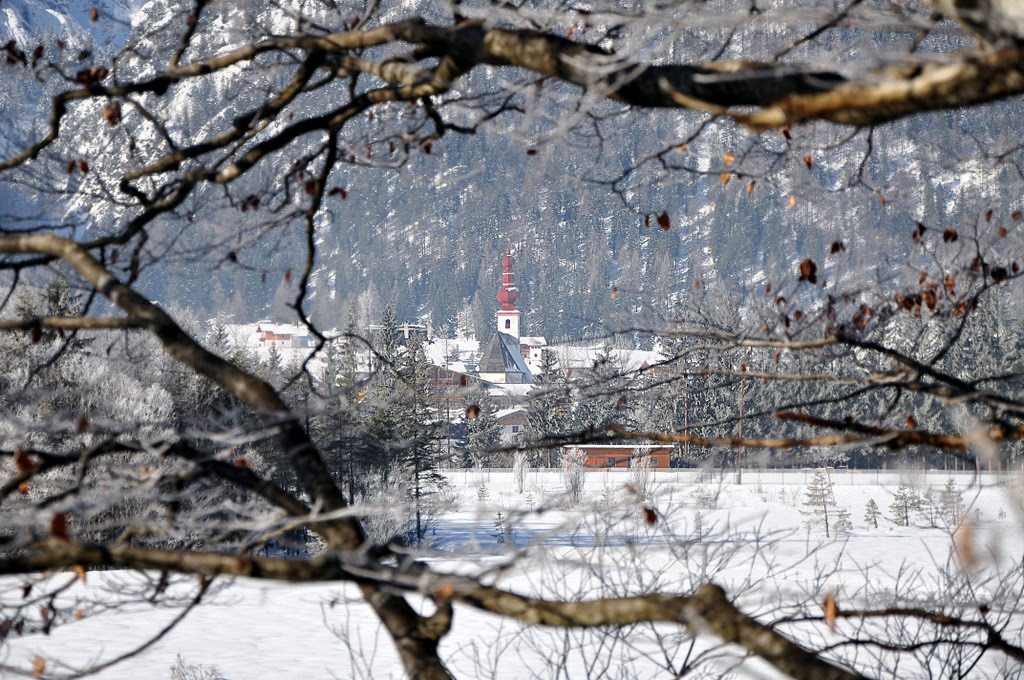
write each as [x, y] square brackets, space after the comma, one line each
[905, 502]
[928, 509]
[872, 513]
[844, 524]
[951, 504]
[500, 530]
[819, 500]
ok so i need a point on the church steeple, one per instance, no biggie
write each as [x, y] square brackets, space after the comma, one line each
[508, 316]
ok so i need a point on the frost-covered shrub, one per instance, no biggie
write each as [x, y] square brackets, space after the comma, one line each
[519, 466]
[389, 513]
[707, 498]
[449, 497]
[181, 670]
[574, 463]
[640, 477]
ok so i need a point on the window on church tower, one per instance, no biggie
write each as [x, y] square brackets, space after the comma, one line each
[508, 323]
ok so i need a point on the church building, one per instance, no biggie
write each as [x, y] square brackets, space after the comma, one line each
[502, 360]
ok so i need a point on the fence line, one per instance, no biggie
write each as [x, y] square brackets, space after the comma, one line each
[761, 476]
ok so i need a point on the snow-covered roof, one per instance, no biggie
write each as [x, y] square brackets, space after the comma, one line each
[510, 390]
[576, 357]
[503, 356]
[533, 341]
[439, 350]
[293, 350]
[281, 328]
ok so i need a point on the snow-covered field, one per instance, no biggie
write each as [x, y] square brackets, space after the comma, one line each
[750, 538]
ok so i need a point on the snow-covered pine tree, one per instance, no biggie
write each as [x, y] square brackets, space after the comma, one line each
[872, 513]
[928, 509]
[386, 346]
[483, 432]
[951, 503]
[349, 349]
[904, 503]
[819, 500]
[601, 396]
[274, 362]
[419, 429]
[219, 339]
[549, 410]
[843, 522]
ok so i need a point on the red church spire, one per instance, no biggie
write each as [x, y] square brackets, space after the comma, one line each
[508, 294]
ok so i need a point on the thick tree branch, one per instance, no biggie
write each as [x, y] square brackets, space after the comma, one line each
[707, 611]
[417, 649]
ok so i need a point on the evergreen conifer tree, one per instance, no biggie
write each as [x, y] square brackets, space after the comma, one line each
[819, 500]
[483, 432]
[904, 502]
[843, 522]
[872, 513]
[418, 428]
[951, 503]
[220, 340]
[549, 409]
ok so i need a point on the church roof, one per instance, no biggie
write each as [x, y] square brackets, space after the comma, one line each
[503, 356]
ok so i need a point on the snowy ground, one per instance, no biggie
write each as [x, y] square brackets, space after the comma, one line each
[750, 539]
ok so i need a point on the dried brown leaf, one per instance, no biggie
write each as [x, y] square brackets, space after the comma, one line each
[23, 462]
[808, 271]
[80, 571]
[59, 527]
[663, 221]
[831, 609]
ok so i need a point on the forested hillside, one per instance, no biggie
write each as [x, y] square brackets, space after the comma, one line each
[580, 207]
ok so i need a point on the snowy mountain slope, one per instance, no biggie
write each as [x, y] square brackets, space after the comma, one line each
[30, 21]
[428, 238]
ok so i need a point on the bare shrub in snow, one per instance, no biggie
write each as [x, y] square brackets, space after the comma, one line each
[574, 474]
[520, 464]
[640, 477]
[182, 670]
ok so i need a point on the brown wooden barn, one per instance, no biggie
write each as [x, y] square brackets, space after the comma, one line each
[619, 455]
